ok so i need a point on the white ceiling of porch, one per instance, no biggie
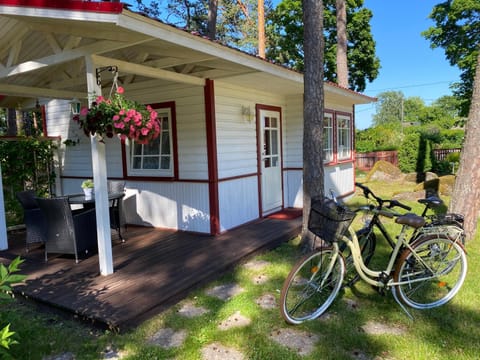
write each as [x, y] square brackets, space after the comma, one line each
[44, 56]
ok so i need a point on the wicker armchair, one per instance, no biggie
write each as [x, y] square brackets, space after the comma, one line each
[68, 232]
[32, 217]
[114, 187]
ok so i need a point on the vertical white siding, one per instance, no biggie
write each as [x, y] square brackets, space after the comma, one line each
[178, 205]
[238, 202]
[293, 188]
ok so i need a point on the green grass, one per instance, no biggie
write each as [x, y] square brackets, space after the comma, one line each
[448, 332]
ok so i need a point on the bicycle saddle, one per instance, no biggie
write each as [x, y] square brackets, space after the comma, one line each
[410, 219]
[431, 201]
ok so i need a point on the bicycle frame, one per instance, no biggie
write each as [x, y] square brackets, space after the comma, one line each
[368, 274]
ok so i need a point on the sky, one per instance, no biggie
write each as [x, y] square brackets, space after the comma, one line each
[408, 64]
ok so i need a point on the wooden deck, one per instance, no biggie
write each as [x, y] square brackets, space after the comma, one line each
[153, 270]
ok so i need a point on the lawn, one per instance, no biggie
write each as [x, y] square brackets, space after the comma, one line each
[361, 324]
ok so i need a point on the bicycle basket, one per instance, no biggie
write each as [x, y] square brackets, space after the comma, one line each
[328, 220]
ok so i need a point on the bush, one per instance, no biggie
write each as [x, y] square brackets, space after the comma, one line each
[7, 279]
[415, 154]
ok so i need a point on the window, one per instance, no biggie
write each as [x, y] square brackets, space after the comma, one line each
[156, 157]
[327, 138]
[344, 137]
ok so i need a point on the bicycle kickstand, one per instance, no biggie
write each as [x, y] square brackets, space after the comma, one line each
[401, 304]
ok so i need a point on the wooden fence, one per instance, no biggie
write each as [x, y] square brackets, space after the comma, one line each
[365, 161]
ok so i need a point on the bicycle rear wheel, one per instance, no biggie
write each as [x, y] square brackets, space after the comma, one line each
[312, 285]
[435, 277]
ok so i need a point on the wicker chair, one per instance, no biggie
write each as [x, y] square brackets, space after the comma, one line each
[114, 187]
[68, 232]
[32, 217]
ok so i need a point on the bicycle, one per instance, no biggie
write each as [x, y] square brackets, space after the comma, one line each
[422, 274]
[366, 235]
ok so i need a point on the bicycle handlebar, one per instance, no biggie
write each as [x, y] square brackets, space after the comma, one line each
[391, 203]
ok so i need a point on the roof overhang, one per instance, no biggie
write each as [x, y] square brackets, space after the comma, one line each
[43, 48]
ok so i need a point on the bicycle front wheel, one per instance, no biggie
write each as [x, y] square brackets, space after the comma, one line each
[312, 285]
[432, 274]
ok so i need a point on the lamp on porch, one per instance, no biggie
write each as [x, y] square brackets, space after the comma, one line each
[75, 106]
[247, 113]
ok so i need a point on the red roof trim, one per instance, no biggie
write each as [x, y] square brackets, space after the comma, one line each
[93, 6]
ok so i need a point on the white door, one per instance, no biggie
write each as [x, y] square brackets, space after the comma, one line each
[271, 163]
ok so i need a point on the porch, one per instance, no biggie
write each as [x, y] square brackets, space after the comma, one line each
[154, 269]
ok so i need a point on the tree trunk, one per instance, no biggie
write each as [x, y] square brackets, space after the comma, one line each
[313, 182]
[212, 19]
[342, 65]
[466, 193]
[261, 29]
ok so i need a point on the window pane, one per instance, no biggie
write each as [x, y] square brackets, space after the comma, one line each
[267, 121]
[165, 143]
[152, 148]
[266, 145]
[137, 162]
[273, 122]
[137, 149]
[274, 134]
[165, 126]
[274, 161]
[150, 163]
[165, 162]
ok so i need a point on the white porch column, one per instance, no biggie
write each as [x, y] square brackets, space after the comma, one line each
[3, 221]
[99, 165]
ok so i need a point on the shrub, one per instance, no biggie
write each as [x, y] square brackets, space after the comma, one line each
[7, 279]
[415, 154]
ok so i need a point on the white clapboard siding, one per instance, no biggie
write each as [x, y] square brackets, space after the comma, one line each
[293, 133]
[236, 132]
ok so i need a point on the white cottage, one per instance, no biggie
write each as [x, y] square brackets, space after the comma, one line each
[231, 144]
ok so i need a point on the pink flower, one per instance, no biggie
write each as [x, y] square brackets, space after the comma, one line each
[115, 118]
[120, 90]
[84, 111]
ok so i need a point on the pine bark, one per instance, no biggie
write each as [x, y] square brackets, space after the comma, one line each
[212, 19]
[342, 65]
[313, 181]
[466, 192]
[261, 29]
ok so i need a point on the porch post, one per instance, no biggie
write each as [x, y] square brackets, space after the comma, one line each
[99, 165]
[3, 221]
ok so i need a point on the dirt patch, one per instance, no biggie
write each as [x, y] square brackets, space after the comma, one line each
[260, 279]
[377, 328]
[190, 310]
[168, 338]
[302, 342]
[233, 321]
[217, 351]
[267, 302]
[224, 292]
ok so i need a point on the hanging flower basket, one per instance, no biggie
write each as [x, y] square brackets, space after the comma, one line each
[117, 115]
